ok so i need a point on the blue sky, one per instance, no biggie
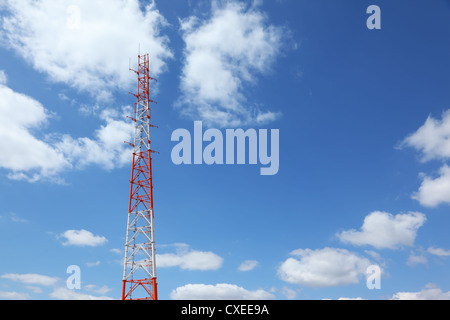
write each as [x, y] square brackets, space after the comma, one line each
[364, 152]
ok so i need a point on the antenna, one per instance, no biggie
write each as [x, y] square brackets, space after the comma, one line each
[139, 274]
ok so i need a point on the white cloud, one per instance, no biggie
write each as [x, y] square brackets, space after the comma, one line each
[106, 150]
[431, 292]
[439, 252]
[87, 45]
[222, 291]
[66, 294]
[223, 56]
[25, 155]
[326, 267]
[31, 278]
[433, 192]
[28, 157]
[432, 139]
[82, 238]
[248, 265]
[382, 230]
[188, 259]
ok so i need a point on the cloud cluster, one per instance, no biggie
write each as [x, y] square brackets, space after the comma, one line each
[30, 155]
[432, 140]
[223, 56]
[330, 267]
[86, 44]
[58, 292]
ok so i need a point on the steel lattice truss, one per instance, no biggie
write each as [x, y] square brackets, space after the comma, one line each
[139, 275]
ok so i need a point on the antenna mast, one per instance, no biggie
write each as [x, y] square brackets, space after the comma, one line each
[139, 274]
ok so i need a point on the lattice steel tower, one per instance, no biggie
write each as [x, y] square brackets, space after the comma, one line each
[139, 274]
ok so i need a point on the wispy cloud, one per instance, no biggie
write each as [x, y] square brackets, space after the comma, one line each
[66, 294]
[430, 292]
[248, 265]
[31, 278]
[223, 291]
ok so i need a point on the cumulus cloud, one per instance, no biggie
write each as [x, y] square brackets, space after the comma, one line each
[223, 56]
[383, 230]
[222, 291]
[432, 139]
[86, 44]
[434, 192]
[188, 259]
[24, 154]
[326, 267]
[82, 238]
[29, 154]
[430, 292]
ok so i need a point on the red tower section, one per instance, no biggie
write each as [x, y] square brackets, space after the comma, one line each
[139, 275]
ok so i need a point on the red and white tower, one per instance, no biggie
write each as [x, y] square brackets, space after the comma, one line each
[139, 274]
